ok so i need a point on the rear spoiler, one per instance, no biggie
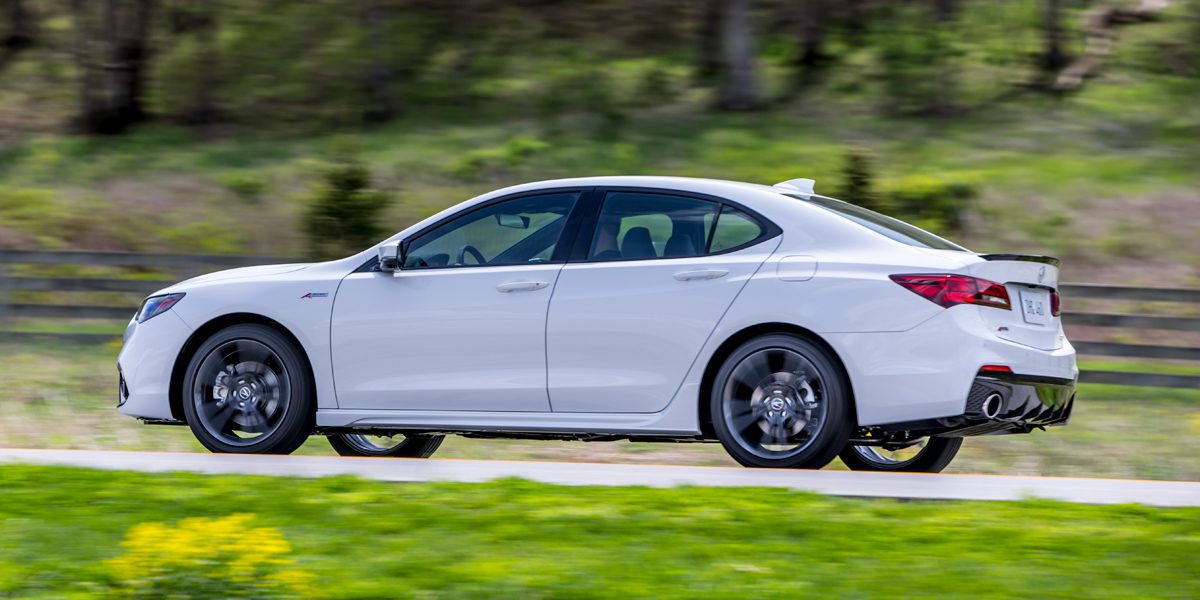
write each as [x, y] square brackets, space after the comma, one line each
[1048, 260]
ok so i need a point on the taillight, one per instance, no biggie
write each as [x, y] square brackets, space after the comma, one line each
[1055, 303]
[950, 290]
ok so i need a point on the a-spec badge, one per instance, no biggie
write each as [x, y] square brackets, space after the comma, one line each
[315, 295]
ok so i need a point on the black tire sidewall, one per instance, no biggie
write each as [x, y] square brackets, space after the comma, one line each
[413, 446]
[839, 412]
[299, 417]
[933, 458]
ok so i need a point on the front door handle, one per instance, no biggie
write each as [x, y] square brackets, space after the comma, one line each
[701, 274]
[521, 286]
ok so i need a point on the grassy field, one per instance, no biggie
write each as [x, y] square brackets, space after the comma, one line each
[359, 539]
[63, 397]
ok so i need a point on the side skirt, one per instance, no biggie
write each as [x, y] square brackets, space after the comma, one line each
[542, 425]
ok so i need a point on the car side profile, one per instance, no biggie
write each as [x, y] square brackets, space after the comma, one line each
[788, 326]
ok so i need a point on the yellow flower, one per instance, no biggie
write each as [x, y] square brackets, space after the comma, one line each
[226, 556]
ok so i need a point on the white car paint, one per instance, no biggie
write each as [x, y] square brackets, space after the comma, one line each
[618, 347]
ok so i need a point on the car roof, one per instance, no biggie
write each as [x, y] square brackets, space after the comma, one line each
[693, 184]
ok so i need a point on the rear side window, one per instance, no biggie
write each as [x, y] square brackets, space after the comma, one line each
[636, 225]
[734, 228]
[893, 228]
[644, 225]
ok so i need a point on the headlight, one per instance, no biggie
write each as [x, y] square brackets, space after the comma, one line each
[157, 305]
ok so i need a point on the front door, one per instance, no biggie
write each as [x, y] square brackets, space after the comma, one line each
[463, 325]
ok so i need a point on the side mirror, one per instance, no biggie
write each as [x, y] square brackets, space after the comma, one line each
[390, 259]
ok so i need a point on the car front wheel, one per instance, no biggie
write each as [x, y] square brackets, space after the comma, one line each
[402, 446]
[927, 455]
[781, 401]
[247, 390]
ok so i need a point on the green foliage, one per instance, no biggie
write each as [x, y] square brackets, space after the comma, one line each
[499, 161]
[247, 186]
[516, 539]
[931, 203]
[344, 210]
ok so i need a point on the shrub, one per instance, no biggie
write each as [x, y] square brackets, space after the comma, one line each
[343, 213]
[857, 181]
[249, 187]
[931, 203]
[225, 557]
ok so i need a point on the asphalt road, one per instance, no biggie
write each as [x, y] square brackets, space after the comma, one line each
[839, 483]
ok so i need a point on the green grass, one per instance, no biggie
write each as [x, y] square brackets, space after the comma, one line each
[512, 538]
[63, 396]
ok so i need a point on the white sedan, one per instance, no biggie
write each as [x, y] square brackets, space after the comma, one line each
[788, 326]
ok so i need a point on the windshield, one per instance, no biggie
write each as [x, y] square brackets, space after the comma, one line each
[893, 228]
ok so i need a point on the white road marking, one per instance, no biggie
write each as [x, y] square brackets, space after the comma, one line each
[838, 483]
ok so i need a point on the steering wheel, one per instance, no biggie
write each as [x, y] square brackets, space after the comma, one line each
[474, 252]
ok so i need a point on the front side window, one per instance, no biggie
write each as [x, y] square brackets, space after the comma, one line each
[518, 231]
[640, 225]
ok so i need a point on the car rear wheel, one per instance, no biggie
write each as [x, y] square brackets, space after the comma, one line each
[247, 390]
[928, 455]
[403, 446]
[781, 401]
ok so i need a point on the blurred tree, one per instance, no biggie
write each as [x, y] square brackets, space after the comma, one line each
[739, 82]
[858, 180]
[343, 215]
[20, 34]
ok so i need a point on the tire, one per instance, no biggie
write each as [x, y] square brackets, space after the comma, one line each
[410, 446]
[248, 389]
[802, 398]
[935, 456]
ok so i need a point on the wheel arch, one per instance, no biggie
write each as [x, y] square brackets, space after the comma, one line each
[742, 336]
[205, 331]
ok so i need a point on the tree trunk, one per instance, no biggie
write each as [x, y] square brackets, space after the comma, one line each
[710, 40]
[378, 82]
[812, 34]
[1053, 56]
[129, 56]
[739, 85]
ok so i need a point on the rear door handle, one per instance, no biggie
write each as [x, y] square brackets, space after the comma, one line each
[521, 286]
[701, 274]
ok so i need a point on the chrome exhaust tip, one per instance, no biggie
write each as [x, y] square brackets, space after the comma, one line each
[992, 405]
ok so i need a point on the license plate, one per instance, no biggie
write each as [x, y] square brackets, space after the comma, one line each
[1035, 306]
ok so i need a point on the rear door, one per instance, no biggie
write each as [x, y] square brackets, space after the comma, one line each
[642, 294]
[1030, 282]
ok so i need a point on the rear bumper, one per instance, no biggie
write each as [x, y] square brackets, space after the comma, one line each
[1001, 403]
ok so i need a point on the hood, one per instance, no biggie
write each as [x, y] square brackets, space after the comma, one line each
[244, 273]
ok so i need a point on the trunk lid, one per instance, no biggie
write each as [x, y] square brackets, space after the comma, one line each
[1029, 281]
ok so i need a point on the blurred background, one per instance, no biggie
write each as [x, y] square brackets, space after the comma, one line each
[313, 129]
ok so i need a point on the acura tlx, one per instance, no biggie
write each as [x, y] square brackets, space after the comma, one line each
[790, 327]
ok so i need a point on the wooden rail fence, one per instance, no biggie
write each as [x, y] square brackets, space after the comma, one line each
[172, 267]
